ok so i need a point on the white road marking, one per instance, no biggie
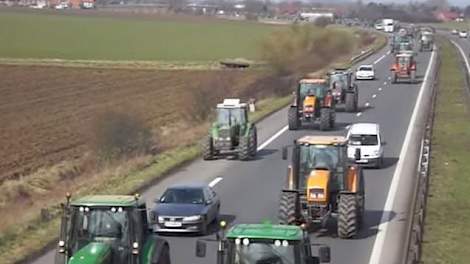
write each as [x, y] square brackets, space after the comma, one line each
[385, 83]
[359, 114]
[389, 77]
[215, 181]
[388, 52]
[376, 254]
[379, 59]
[273, 137]
[374, 95]
[462, 53]
[367, 104]
[380, 88]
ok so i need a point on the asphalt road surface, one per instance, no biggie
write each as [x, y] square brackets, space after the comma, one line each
[250, 190]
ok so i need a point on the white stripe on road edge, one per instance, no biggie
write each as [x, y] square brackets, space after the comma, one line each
[215, 181]
[271, 139]
[375, 257]
[467, 64]
[379, 59]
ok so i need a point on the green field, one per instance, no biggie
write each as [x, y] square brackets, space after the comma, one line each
[447, 224]
[452, 25]
[36, 35]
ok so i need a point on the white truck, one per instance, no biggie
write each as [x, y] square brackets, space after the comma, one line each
[388, 25]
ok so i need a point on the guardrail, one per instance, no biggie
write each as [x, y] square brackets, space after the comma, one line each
[418, 210]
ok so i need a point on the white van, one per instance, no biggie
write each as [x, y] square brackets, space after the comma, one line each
[367, 138]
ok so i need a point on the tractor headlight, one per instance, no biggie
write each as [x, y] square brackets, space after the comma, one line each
[316, 193]
[192, 218]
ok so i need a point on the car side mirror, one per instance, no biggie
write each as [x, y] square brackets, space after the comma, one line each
[357, 154]
[284, 153]
[201, 249]
[324, 254]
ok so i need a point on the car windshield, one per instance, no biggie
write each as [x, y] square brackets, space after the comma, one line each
[363, 140]
[317, 89]
[365, 68]
[183, 196]
[108, 225]
[264, 252]
[317, 156]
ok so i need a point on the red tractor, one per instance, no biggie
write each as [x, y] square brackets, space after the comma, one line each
[404, 67]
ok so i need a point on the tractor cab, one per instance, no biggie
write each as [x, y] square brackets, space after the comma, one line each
[317, 88]
[320, 179]
[266, 243]
[232, 113]
[108, 229]
[342, 88]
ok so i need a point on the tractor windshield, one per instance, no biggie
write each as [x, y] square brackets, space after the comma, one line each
[264, 251]
[317, 89]
[105, 225]
[317, 156]
[230, 116]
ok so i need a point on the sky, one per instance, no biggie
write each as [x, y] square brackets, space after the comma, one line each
[462, 3]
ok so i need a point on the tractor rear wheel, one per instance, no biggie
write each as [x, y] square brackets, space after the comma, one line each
[348, 216]
[244, 148]
[332, 118]
[413, 76]
[293, 118]
[287, 208]
[350, 102]
[208, 152]
[325, 119]
[394, 78]
[253, 142]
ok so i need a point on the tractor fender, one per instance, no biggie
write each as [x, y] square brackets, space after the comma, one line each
[249, 127]
[213, 131]
[354, 180]
[161, 251]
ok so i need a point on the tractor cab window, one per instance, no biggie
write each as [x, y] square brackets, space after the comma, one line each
[231, 116]
[223, 116]
[259, 251]
[317, 89]
[317, 157]
[102, 225]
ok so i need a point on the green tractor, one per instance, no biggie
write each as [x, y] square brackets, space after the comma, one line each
[231, 133]
[313, 102]
[111, 229]
[344, 91]
[265, 243]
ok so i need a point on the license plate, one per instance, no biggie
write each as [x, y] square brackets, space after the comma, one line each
[362, 161]
[173, 224]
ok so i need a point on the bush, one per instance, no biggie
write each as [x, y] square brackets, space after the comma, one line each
[119, 134]
[323, 22]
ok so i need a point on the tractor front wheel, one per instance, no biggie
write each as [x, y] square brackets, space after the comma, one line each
[293, 118]
[325, 119]
[348, 216]
[208, 152]
[287, 208]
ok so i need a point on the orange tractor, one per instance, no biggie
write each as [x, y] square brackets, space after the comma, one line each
[321, 184]
[313, 101]
[404, 67]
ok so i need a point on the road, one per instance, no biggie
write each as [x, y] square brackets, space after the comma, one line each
[250, 190]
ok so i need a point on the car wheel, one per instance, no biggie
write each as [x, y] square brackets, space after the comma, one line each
[204, 226]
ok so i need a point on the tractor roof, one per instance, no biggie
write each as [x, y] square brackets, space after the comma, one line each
[265, 231]
[231, 103]
[307, 80]
[404, 54]
[322, 140]
[108, 200]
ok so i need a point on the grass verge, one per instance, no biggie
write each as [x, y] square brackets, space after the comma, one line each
[17, 244]
[447, 228]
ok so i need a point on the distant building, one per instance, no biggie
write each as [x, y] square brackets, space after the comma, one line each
[446, 16]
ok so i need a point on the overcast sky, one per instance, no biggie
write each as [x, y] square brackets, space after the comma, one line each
[452, 2]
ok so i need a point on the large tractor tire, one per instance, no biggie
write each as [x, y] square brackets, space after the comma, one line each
[394, 78]
[350, 102]
[293, 117]
[244, 148]
[208, 151]
[348, 216]
[253, 142]
[325, 119]
[287, 208]
[332, 118]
